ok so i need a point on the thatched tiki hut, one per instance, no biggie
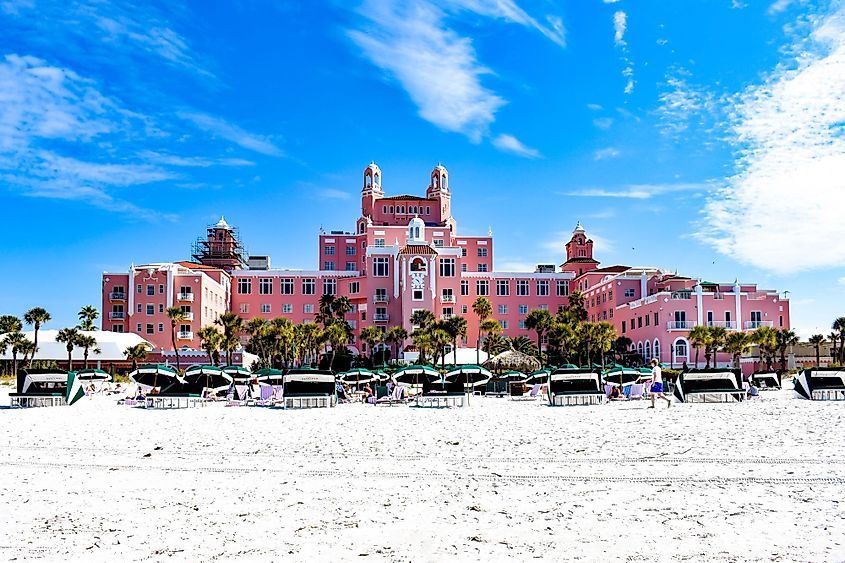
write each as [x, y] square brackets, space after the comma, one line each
[512, 360]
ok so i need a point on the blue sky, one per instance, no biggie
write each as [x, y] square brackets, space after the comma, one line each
[703, 136]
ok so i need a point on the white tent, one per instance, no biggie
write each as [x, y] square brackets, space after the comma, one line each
[466, 356]
[111, 345]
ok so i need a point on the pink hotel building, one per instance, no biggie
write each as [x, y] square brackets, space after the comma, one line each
[406, 254]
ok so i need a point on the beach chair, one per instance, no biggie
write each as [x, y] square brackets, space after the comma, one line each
[710, 386]
[239, 399]
[531, 396]
[637, 390]
[449, 394]
[574, 386]
[396, 397]
[766, 380]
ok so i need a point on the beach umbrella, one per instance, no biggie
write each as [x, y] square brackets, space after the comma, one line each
[540, 376]
[513, 376]
[469, 374]
[513, 360]
[74, 388]
[238, 373]
[206, 377]
[155, 375]
[270, 376]
[413, 374]
[358, 376]
[622, 376]
[93, 374]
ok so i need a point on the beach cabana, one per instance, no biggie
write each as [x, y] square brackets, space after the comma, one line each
[622, 376]
[416, 374]
[512, 360]
[308, 389]
[40, 388]
[441, 394]
[821, 384]
[575, 386]
[540, 376]
[766, 380]
[709, 386]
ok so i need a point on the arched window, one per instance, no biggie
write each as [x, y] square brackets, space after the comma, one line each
[681, 348]
[376, 179]
[656, 349]
[647, 355]
[417, 233]
[368, 180]
[418, 264]
[640, 348]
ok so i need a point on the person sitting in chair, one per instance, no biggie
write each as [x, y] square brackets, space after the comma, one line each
[616, 393]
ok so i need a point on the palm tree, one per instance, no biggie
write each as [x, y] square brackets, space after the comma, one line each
[341, 306]
[575, 310]
[698, 338]
[312, 336]
[257, 328]
[422, 318]
[337, 336]
[232, 325]
[839, 327]
[211, 339]
[422, 341]
[396, 335]
[766, 340]
[490, 327]
[18, 343]
[834, 338]
[69, 337]
[737, 344]
[176, 316]
[10, 323]
[281, 335]
[36, 317]
[785, 338]
[370, 335]
[325, 310]
[621, 346]
[523, 344]
[136, 353]
[483, 308]
[715, 339]
[817, 340]
[440, 338]
[87, 315]
[539, 320]
[88, 344]
[605, 338]
[562, 338]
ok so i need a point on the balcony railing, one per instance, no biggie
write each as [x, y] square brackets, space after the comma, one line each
[117, 296]
[446, 316]
[730, 325]
[751, 325]
[681, 295]
[381, 317]
[680, 325]
[188, 316]
[186, 335]
[447, 299]
[117, 315]
[380, 298]
[186, 297]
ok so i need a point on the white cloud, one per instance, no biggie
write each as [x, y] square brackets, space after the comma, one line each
[639, 191]
[331, 193]
[594, 107]
[192, 161]
[779, 6]
[509, 11]
[780, 210]
[603, 122]
[611, 1]
[620, 24]
[233, 133]
[511, 144]
[683, 104]
[608, 152]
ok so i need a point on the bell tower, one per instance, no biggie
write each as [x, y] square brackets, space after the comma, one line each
[438, 189]
[579, 253]
[371, 190]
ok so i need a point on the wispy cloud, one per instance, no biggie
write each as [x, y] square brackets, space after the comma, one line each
[639, 191]
[779, 6]
[605, 153]
[509, 11]
[620, 24]
[192, 161]
[684, 104]
[603, 122]
[779, 211]
[331, 193]
[511, 144]
[231, 132]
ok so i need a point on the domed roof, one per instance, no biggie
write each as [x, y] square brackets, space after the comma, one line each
[373, 166]
[578, 228]
[416, 222]
[222, 224]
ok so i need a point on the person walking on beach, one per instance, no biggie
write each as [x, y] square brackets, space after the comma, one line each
[657, 384]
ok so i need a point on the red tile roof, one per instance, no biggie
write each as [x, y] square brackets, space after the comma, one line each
[417, 249]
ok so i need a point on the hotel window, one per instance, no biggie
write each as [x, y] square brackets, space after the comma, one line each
[503, 288]
[385, 209]
[522, 287]
[151, 290]
[287, 308]
[354, 287]
[464, 287]
[504, 325]
[448, 312]
[523, 309]
[244, 286]
[286, 286]
[543, 307]
[438, 243]
[117, 328]
[244, 308]
[265, 307]
[427, 210]
[161, 307]
[503, 309]
[184, 329]
[308, 286]
[639, 322]
[150, 328]
[351, 266]
[647, 318]
[463, 267]
[655, 318]
[417, 295]
[161, 327]
[265, 286]
[610, 295]
[448, 294]
[328, 265]
[447, 267]
[623, 327]
[329, 251]
[308, 308]
[381, 268]
[482, 267]
[630, 293]
[350, 251]
[161, 288]
[463, 251]
[542, 287]
[604, 317]
[138, 327]
[140, 290]
[562, 288]
[521, 325]
[139, 308]
[463, 309]
[378, 243]
[353, 324]
[391, 209]
[482, 253]
[482, 287]
[151, 309]
[329, 286]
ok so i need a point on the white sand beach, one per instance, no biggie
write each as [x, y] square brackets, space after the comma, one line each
[762, 480]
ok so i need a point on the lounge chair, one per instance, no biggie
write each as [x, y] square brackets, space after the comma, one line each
[637, 391]
[448, 394]
[396, 397]
[531, 396]
[766, 380]
[710, 386]
[573, 386]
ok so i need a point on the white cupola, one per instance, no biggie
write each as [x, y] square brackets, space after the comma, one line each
[416, 231]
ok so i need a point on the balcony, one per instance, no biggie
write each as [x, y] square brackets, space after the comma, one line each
[751, 325]
[188, 316]
[116, 315]
[185, 297]
[185, 335]
[381, 317]
[680, 325]
[447, 299]
[730, 325]
[682, 295]
[446, 316]
[380, 298]
[117, 296]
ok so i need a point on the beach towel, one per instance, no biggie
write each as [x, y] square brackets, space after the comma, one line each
[266, 392]
[241, 390]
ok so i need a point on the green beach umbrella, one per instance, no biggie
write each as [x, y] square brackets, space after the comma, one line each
[198, 378]
[538, 376]
[357, 376]
[271, 376]
[74, 388]
[238, 373]
[413, 374]
[93, 374]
